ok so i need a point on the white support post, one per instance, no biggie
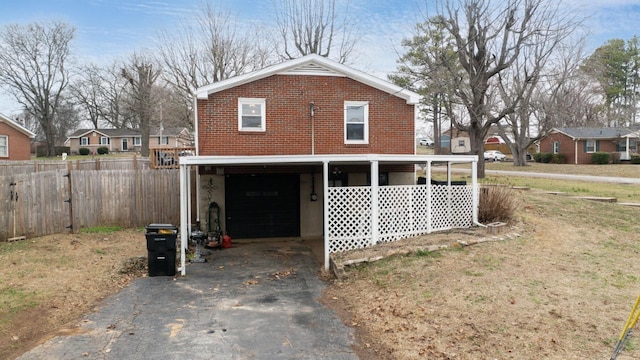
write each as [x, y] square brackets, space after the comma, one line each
[429, 195]
[325, 212]
[184, 211]
[476, 190]
[375, 206]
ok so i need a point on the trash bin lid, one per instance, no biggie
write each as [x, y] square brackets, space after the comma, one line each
[157, 227]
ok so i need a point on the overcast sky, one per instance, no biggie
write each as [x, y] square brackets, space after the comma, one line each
[112, 29]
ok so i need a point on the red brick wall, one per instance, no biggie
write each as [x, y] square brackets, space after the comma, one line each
[19, 143]
[288, 119]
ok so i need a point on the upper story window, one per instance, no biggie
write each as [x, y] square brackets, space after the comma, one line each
[137, 141]
[251, 114]
[4, 146]
[104, 140]
[556, 147]
[84, 140]
[163, 140]
[356, 122]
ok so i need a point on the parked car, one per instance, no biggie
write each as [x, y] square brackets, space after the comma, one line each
[494, 155]
[426, 142]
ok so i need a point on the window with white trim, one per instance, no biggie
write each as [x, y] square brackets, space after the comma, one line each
[163, 140]
[137, 141]
[4, 146]
[104, 140]
[590, 146]
[251, 114]
[356, 122]
[84, 140]
[556, 147]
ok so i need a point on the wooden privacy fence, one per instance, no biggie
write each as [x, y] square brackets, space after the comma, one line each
[58, 201]
[8, 168]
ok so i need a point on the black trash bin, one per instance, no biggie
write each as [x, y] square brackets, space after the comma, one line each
[161, 249]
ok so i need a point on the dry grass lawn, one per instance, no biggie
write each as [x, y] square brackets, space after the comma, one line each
[561, 289]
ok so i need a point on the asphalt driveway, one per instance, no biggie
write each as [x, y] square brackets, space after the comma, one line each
[254, 301]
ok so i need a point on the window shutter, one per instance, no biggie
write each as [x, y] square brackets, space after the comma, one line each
[597, 145]
[584, 148]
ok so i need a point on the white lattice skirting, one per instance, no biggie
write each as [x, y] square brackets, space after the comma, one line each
[403, 211]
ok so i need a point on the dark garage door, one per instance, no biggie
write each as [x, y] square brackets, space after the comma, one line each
[262, 205]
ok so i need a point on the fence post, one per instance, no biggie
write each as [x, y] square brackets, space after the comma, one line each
[69, 199]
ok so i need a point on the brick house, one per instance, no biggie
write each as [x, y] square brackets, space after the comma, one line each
[577, 144]
[276, 147]
[125, 140]
[15, 140]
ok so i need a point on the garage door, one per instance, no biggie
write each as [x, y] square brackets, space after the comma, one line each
[262, 205]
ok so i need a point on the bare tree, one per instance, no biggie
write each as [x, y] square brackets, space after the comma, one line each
[315, 27]
[141, 77]
[87, 89]
[33, 67]
[212, 48]
[538, 77]
[489, 40]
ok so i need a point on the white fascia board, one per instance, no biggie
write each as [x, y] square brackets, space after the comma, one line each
[319, 159]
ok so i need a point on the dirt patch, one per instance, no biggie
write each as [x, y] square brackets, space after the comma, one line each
[561, 289]
[48, 283]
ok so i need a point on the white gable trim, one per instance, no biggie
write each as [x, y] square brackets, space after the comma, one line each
[310, 65]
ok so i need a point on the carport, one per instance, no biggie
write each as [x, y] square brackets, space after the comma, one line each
[361, 216]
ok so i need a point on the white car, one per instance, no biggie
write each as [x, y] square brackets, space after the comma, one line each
[426, 142]
[494, 155]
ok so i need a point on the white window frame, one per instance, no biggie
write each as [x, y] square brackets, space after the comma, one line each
[163, 140]
[4, 146]
[263, 114]
[137, 141]
[84, 141]
[556, 147]
[104, 140]
[593, 147]
[365, 107]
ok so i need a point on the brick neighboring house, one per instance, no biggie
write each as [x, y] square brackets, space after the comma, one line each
[15, 140]
[577, 144]
[125, 140]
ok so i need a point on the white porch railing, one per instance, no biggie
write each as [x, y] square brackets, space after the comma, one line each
[404, 211]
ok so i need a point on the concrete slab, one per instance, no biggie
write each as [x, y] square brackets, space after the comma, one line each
[257, 300]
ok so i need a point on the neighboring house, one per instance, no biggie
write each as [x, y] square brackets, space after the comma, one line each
[307, 148]
[124, 140]
[15, 140]
[577, 144]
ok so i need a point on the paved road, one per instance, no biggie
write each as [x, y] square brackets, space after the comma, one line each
[593, 178]
[253, 301]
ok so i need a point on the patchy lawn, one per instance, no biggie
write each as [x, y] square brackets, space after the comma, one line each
[560, 287]
[47, 283]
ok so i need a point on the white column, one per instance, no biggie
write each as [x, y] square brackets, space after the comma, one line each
[476, 190]
[375, 206]
[184, 213]
[429, 217]
[325, 212]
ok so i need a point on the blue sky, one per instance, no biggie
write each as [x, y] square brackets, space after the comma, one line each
[111, 29]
